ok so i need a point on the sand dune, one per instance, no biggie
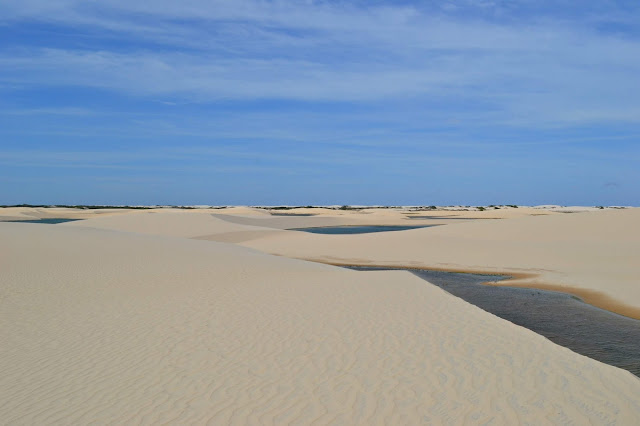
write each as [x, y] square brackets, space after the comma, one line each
[31, 213]
[176, 223]
[111, 327]
[18, 213]
[286, 222]
[591, 254]
[244, 224]
[126, 318]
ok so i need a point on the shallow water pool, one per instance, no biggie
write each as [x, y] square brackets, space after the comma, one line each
[357, 229]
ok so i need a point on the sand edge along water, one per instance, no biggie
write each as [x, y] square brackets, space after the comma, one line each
[591, 255]
[593, 297]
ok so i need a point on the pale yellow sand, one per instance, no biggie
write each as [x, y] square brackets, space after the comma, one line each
[29, 213]
[176, 223]
[232, 225]
[592, 254]
[111, 327]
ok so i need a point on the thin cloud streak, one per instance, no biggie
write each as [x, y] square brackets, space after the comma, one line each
[541, 71]
[482, 92]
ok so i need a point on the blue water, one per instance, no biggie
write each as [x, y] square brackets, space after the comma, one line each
[562, 318]
[292, 214]
[49, 221]
[447, 217]
[358, 229]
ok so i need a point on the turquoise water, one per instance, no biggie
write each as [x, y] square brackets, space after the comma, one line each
[562, 318]
[358, 229]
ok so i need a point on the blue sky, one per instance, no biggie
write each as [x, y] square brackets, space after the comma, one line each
[320, 102]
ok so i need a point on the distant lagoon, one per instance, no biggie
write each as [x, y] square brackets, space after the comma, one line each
[51, 221]
[357, 229]
[451, 218]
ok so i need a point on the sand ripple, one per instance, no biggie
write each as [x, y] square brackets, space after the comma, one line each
[113, 328]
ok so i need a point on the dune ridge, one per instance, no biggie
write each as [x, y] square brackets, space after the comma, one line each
[592, 254]
[103, 326]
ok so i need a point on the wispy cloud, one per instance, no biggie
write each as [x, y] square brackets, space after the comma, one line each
[473, 88]
[529, 70]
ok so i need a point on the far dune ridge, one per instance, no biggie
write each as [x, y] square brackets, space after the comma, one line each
[103, 326]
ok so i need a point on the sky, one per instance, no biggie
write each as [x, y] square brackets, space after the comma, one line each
[282, 102]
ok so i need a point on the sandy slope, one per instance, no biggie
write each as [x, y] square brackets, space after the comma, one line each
[22, 213]
[592, 254]
[111, 327]
[30, 213]
[176, 223]
[234, 225]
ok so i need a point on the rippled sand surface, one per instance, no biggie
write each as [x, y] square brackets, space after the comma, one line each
[114, 326]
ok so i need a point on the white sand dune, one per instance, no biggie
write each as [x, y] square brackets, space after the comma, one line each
[122, 328]
[287, 222]
[175, 223]
[594, 255]
[244, 224]
[31, 213]
[591, 254]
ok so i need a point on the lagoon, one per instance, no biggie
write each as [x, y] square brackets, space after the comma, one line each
[357, 229]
